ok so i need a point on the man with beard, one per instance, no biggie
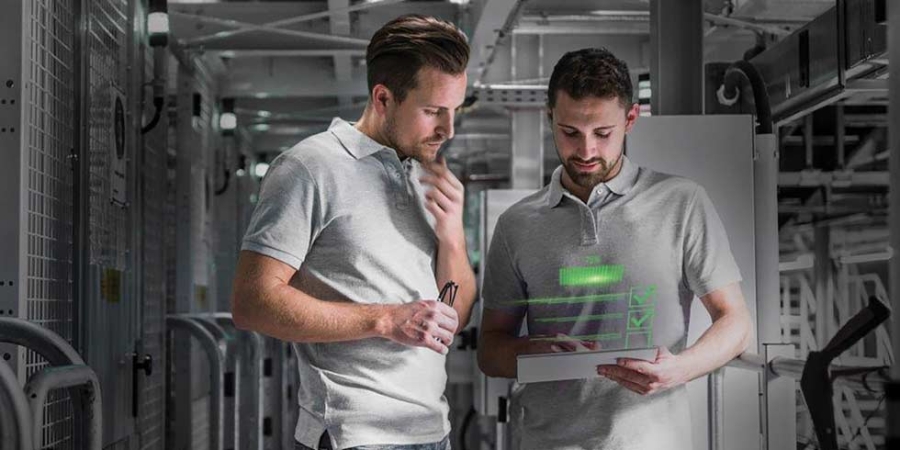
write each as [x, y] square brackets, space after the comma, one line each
[609, 255]
[356, 230]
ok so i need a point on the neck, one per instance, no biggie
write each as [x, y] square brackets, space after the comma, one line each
[373, 126]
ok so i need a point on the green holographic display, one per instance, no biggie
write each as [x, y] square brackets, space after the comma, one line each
[584, 318]
[591, 276]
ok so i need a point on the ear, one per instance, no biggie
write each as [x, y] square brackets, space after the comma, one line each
[381, 97]
[631, 116]
[549, 114]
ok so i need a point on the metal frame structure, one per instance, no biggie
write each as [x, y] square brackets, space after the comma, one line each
[67, 371]
[251, 419]
[216, 358]
[816, 374]
[15, 423]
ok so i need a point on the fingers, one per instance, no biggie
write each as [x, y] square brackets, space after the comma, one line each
[631, 385]
[439, 320]
[637, 365]
[624, 374]
[578, 345]
[446, 186]
[439, 169]
[438, 198]
[426, 340]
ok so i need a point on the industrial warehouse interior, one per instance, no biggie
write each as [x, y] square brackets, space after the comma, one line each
[148, 144]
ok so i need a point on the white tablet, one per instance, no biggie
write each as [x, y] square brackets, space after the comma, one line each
[573, 365]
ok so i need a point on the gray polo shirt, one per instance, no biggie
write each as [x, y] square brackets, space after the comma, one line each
[622, 270]
[346, 213]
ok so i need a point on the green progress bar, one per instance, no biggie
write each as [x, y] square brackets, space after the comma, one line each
[591, 276]
[581, 318]
[581, 299]
[583, 337]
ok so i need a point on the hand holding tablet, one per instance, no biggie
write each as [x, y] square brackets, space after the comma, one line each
[573, 365]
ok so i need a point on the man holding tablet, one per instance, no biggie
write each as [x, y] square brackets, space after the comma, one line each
[608, 256]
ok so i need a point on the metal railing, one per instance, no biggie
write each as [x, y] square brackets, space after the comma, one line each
[817, 376]
[254, 349]
[214, 353]
[15, 428]
[67, 370]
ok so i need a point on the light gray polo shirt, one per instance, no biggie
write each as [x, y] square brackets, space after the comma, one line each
[622, 270]
[346, 213]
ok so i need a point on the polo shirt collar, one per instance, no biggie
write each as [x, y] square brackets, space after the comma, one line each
[620, 185]
[354, 141]
[625, 179]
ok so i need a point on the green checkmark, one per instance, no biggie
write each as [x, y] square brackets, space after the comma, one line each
[638, 319]
[641, 299]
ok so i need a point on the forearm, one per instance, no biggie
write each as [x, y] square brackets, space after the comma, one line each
[286, 313]
[497, 352]
[725, 339]
[453, 264]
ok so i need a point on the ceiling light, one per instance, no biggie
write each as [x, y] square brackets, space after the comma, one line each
[227, 120]
[158, 23]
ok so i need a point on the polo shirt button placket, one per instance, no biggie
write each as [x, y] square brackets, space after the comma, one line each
[588, 226]
[399, 187]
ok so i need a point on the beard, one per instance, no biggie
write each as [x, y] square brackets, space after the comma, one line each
[421, 152]
[589, 179]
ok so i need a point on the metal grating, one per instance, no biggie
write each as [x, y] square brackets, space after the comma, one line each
[108, 221]
[154, 191]
[49, 138]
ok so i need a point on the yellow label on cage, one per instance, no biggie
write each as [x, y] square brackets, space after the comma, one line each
[111, 285]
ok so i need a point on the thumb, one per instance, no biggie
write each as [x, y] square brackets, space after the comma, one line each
[662, 353]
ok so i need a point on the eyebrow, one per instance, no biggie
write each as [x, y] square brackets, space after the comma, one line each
[444, 107]
[605, 127]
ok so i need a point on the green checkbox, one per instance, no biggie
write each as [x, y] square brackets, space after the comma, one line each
[639, 319]
[642, 296]
[639, 339]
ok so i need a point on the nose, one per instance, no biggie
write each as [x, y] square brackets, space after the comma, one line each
[445, 127]
[587, 148]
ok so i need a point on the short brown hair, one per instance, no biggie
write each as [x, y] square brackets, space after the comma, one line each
[406, 44]
[591, 72]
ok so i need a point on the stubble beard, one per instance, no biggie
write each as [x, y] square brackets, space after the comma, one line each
[590, 179]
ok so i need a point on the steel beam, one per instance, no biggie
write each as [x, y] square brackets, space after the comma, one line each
[814, 178]
[632, 24]
[495, 21]
[270, 26]
[290, 78]
[340, 25]
[244, 25]
[526, 122]
[676, 63]
[893, 399]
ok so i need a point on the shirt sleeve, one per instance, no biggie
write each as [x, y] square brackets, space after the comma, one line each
[287, 217]
[708, 261]
[503, 288]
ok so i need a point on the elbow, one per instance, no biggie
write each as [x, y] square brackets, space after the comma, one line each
[484, 360]
[241, 312]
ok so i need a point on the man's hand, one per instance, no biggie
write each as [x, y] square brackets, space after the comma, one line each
[646, 377]
[445, 201]
[419, 323]
[560, 343]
